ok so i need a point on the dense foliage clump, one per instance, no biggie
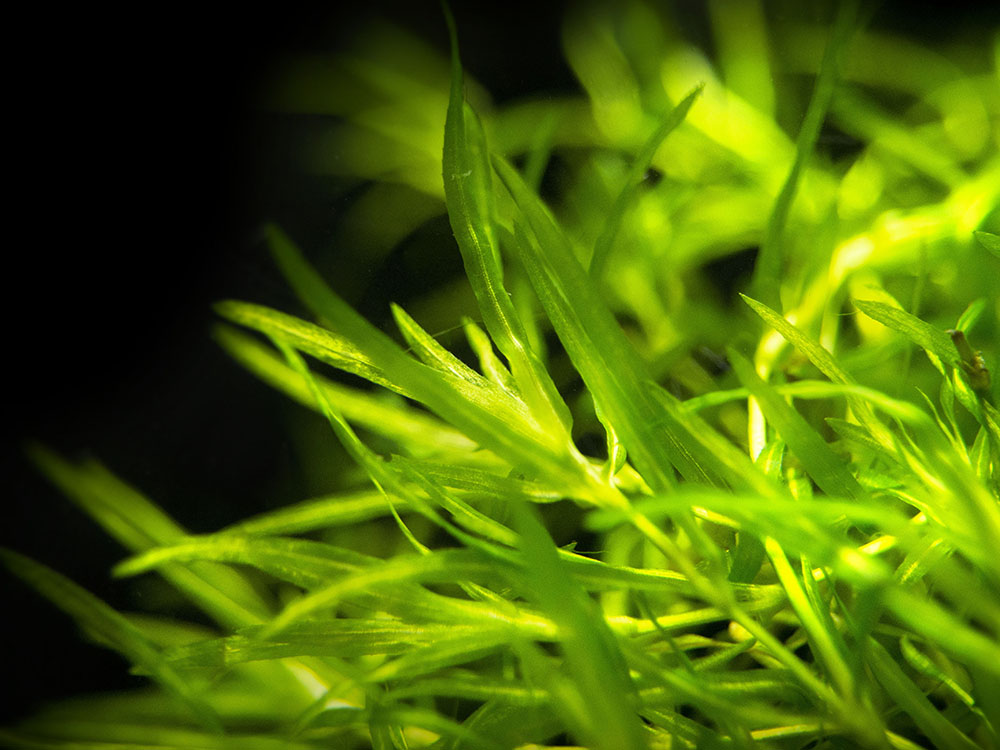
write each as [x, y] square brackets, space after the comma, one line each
[717, 463]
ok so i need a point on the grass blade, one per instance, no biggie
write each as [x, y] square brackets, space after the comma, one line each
[827, 469]
[610, 366]
[502, 423]
[469, 198]
[924, 335]
[337, 350]
[593, 660]
[139, 525]
[825, 362]
[990, 241]
[767, 271]
[640, 164]
[911, 699]
[110, 627]
[415, 431]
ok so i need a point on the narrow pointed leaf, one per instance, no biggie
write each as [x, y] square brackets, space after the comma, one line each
[767, 270]
[138, 524]
[610, 366]
[640, 164]
[911, 699]
[593, 659]
[825, 362]
[110, 627]
[499, 422]
[934, 340]
[828, 470]
[990, 241]
[416, 431]
[469, 197]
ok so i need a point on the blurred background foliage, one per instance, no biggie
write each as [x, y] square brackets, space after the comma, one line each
[905, 168]
[330, 123]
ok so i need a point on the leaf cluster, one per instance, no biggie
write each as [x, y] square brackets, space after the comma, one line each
[788, 535]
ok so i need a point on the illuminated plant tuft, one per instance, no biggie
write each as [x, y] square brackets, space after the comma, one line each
[660, 510]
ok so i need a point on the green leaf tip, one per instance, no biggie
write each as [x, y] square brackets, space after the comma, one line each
[931, 339]
[640, 165]
[989, 240]
[111, 627]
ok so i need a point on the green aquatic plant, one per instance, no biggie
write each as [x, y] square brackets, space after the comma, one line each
[637, 507]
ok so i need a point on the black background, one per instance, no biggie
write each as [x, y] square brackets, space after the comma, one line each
[136, 187]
